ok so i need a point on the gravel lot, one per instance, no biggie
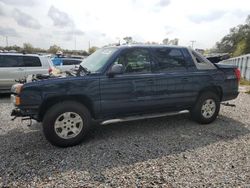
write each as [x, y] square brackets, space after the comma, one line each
[161, 152]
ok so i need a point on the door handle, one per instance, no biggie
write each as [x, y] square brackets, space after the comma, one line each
[184, 79]
[150, 81]
[21, 69]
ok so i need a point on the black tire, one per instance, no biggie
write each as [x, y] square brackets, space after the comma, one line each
[56, 111]
[197, 113]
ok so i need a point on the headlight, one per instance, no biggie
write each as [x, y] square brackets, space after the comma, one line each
[16, 88]
[15, 100]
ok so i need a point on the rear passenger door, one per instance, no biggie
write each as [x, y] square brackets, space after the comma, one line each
[11, 69]
[172, 83]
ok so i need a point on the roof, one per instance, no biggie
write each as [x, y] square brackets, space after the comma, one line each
[147, 46]
[18, 54]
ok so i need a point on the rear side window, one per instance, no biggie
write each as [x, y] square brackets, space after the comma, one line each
[198, 58]
[168, 59]
[10, 61]
[71, 62]
[201, 62]
[30, 61]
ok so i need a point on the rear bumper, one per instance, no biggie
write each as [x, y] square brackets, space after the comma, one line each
[230, 96]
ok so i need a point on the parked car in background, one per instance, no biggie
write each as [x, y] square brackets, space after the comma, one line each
[68, 64]
[124, 82]
[15, 66]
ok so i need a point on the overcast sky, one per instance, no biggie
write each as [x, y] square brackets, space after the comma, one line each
[60, 22]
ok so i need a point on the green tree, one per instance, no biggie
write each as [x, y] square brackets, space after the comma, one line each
[237, 42]
[15, 47]
[240, 48]
[54, 48]
[92, 49]
[174, 41]
[28, 48]
[128, 40]
[165, 41]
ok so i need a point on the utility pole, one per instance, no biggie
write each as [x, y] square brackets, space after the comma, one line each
[192, 43]
[7, 42]
[74, 38]
[75, 43]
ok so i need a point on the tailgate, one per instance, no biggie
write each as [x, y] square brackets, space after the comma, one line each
[231, 80]
[225, 66]
[228, 70]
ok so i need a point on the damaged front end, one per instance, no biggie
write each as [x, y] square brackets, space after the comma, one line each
[25, 95]
[53, 74]
[16, 101]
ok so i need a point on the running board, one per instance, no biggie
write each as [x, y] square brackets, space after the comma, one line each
[140, 117]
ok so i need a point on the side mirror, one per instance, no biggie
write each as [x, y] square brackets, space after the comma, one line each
[116, 69]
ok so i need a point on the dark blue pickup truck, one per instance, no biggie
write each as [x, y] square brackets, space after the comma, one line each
[125, 81]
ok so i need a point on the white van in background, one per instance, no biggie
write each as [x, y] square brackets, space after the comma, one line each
[15, 66]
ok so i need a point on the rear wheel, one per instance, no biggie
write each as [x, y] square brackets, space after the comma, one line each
[66, 124]
[206, 108]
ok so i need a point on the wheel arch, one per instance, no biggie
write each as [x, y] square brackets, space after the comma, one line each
[54, 100]
[215, 89]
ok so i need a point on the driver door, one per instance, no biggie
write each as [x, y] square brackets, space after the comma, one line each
[130, 92]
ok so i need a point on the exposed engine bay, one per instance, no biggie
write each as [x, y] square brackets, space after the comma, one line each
[78, 71]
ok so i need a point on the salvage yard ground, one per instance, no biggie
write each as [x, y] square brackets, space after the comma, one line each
[169, 152]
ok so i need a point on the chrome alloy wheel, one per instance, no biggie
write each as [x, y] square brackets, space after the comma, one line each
[68, 125]
[208, 108]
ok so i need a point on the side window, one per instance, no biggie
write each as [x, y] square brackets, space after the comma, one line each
[168, 59]
[198, 58]
[71, 62]
[30, 61]
[2, 63]
[135, 61]
[10, 61]
[201, 62]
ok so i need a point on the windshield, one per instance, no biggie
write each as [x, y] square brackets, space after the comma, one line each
[98, 59]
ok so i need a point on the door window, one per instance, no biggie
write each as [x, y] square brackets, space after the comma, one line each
[135, 61]
[168, 59]
[10, 61]
[71, 62]
[30, 61]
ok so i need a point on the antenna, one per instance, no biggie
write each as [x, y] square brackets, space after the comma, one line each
[7, 41]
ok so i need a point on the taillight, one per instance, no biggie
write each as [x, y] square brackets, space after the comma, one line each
[50, 70]
[237, 74]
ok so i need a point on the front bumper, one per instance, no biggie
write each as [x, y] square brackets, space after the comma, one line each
[17, 113]
[27, 112]
[21, 110]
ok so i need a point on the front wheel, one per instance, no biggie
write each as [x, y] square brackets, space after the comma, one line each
[206, 108]
[66, 123]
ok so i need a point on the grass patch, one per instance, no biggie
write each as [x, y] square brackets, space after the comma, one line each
[248, 92]
[244, 82]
